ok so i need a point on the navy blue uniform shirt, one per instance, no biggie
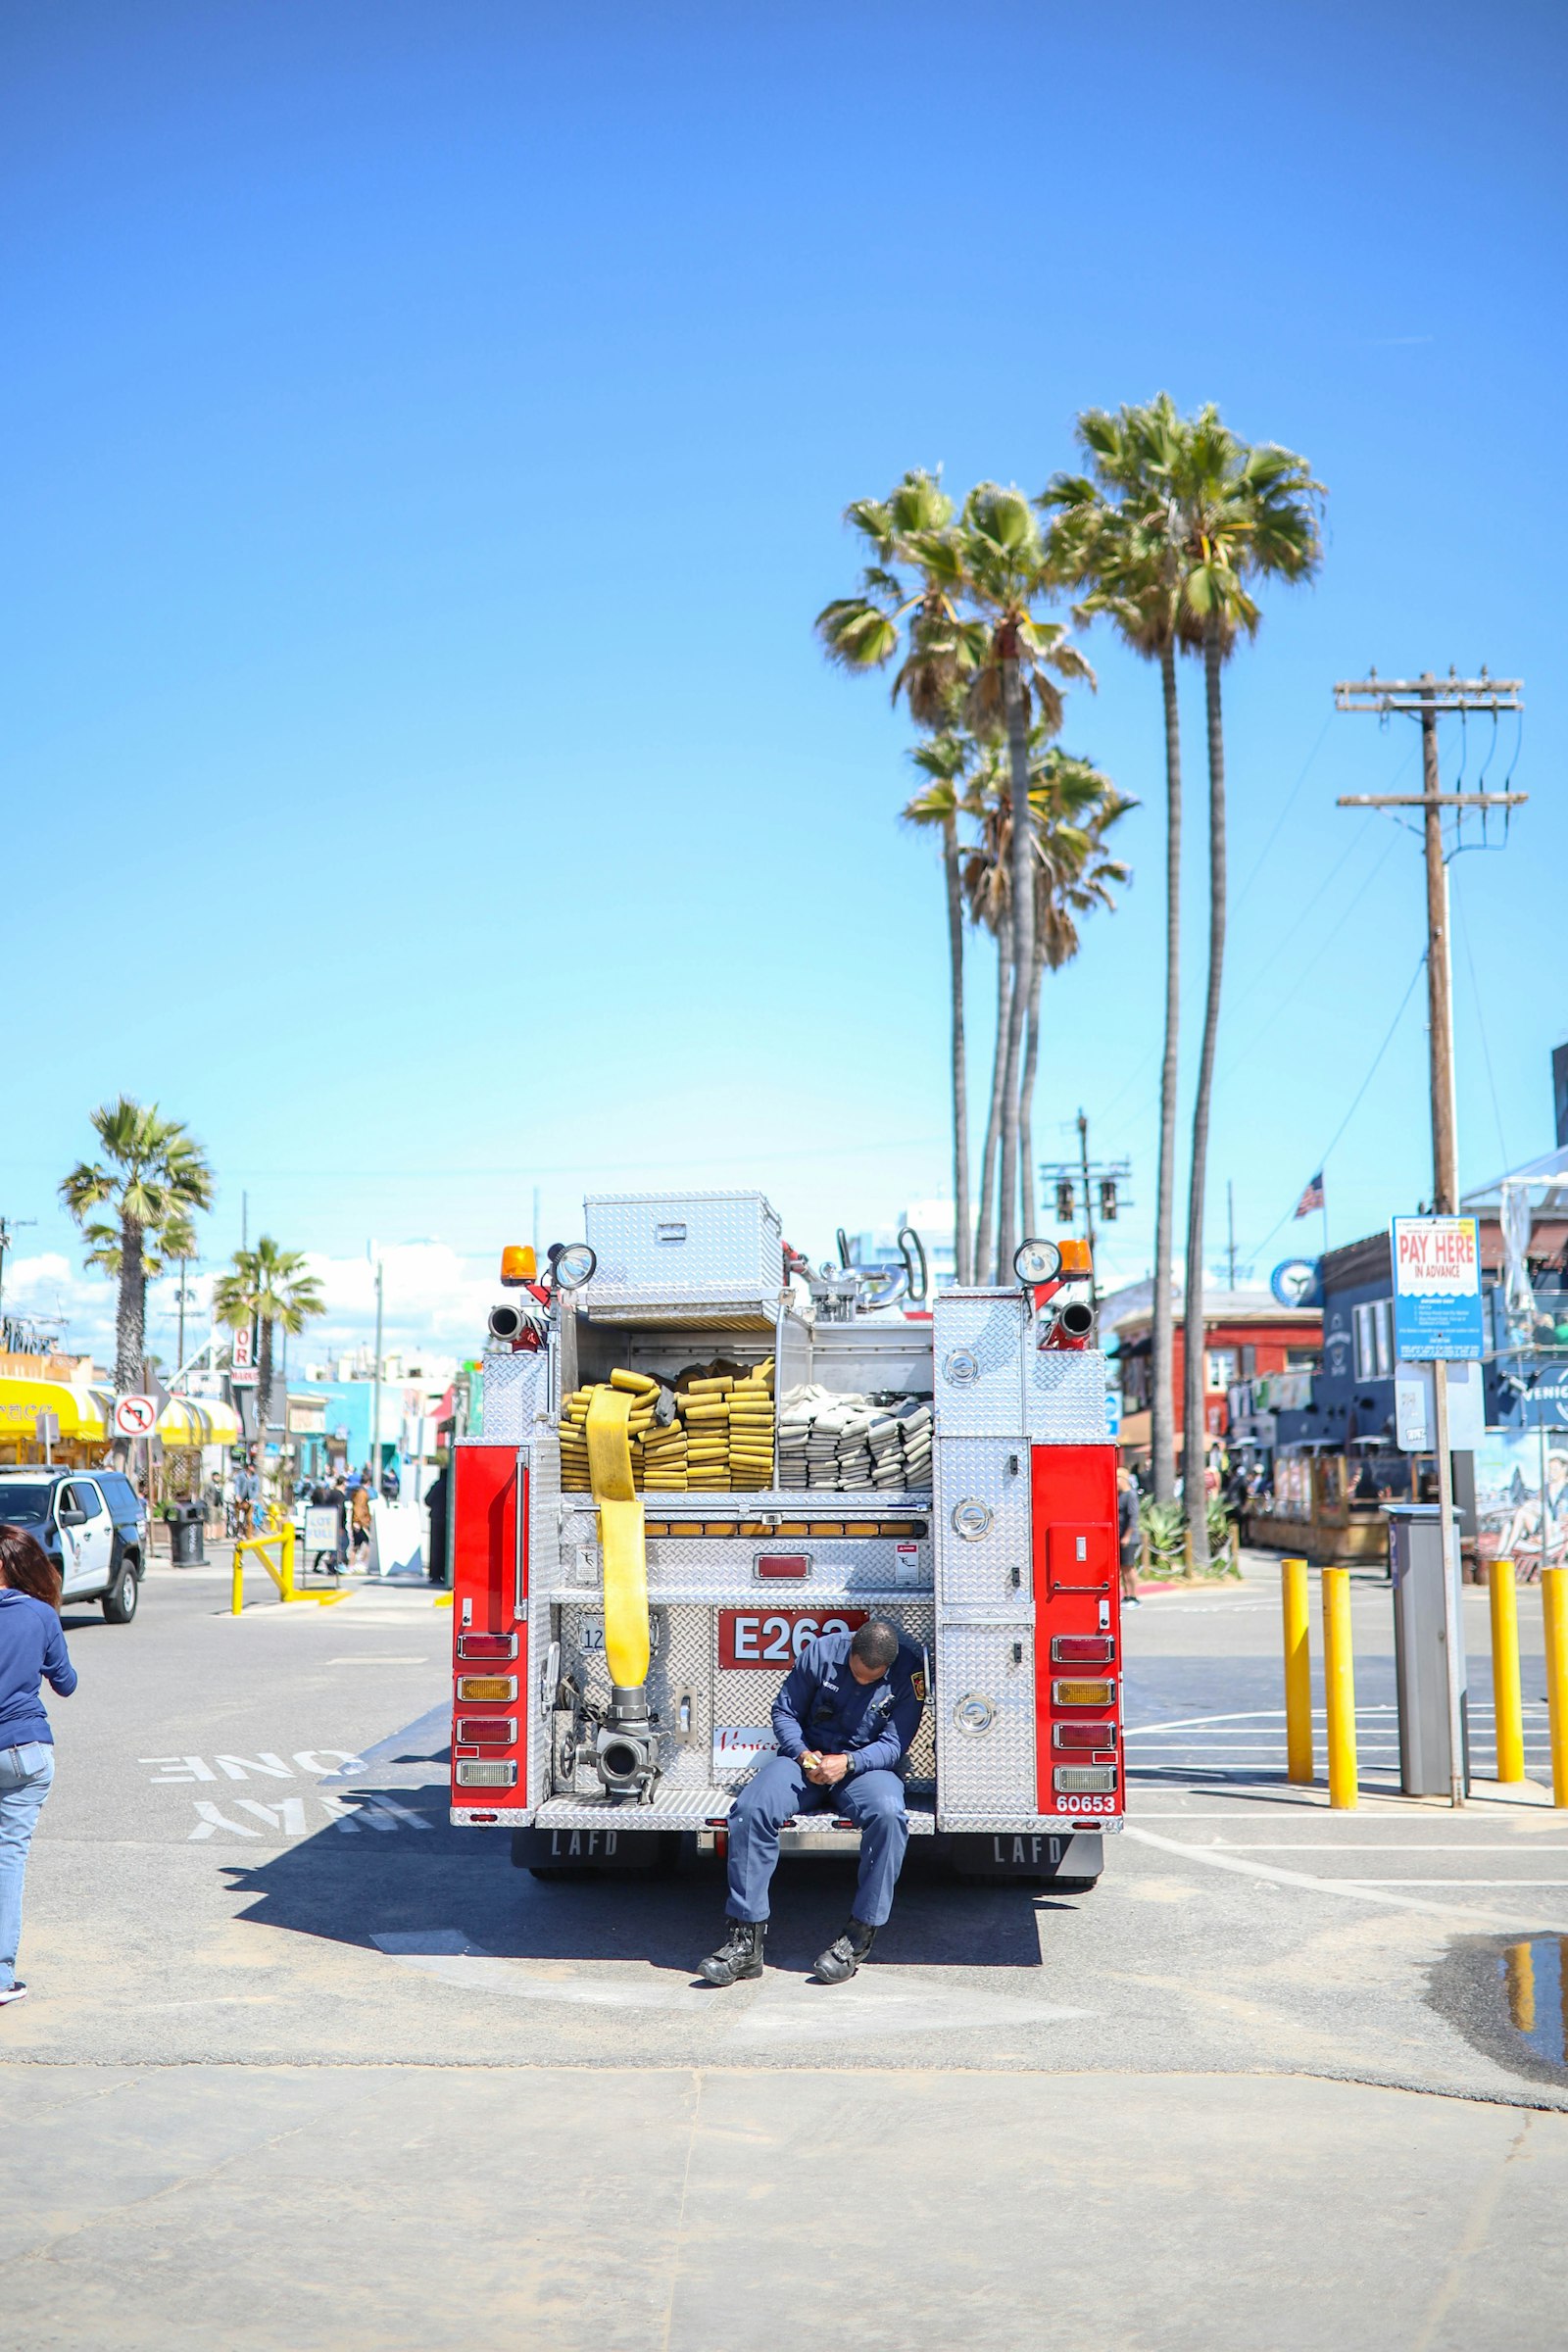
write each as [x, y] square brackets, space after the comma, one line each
[823, 1710]
[31, 1647]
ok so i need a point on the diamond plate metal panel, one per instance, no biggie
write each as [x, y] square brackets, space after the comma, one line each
[542, 1461]
[721, 1568]
[1064, 1397]
[513, 1395]
[978, 1339]
[990, 1571]
[715, 1250]
[990, 1771]
[686, 1809]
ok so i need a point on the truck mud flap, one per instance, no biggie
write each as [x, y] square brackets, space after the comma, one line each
[588, 1849]
[1022, 1854]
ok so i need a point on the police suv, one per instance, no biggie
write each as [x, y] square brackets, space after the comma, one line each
[90, 1524]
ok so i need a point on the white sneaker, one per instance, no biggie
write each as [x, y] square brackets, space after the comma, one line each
[12, 1992]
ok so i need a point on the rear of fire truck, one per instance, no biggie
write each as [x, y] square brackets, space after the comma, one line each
[696, 1453]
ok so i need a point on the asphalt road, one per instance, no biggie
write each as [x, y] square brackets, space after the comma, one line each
[305, 2065]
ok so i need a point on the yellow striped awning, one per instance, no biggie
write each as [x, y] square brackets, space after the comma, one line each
[196, 1421]
[80, 1415]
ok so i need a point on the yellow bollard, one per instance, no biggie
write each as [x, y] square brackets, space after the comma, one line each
[1505, 1671]
[1554, 1610]
[1297, 1673]
[285, 1582]
[237, 1598]
[1338, 1680]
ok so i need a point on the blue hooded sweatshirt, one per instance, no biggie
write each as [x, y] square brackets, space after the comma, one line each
[32, 1647]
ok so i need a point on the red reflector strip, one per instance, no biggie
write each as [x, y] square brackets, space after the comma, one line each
[1084, 1734]
[487, 1645]
[487, 1730]
[783, 1563]
[1082, 1649]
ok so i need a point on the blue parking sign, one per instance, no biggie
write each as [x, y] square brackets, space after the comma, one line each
[1436, 1289]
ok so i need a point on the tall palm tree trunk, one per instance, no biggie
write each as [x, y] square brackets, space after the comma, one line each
[985, 1243]
[962, 1232]
[130, 1311]
[1026, 1104]
[1024, 954]
[1194, 1448]
[1162, 1402]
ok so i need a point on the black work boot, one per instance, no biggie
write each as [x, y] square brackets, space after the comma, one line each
[739, 1955]
[844, 1955]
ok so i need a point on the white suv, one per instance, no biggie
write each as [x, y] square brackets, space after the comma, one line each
[89, 1522]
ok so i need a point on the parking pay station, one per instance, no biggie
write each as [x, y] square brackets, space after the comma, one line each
[1422, 1616]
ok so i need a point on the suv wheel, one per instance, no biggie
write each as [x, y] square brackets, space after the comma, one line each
[119, 1601]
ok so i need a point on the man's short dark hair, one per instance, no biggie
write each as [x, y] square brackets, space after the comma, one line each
[876, 1644]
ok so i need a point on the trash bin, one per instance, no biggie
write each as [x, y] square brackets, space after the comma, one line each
[188, 1533]
[1420, 1650]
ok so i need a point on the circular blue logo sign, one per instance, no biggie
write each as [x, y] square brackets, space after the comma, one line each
[1295, 1283]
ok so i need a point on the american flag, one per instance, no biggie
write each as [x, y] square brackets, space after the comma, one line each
[1312, 1197]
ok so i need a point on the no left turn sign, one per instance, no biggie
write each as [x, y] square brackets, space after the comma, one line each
[134, 1417]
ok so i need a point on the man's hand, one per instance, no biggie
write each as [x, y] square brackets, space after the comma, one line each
[831, 1769]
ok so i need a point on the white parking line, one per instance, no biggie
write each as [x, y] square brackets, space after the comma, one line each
[1452, 1914]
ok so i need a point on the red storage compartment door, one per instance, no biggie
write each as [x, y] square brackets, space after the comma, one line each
[1077, 1591]
[489, 1594]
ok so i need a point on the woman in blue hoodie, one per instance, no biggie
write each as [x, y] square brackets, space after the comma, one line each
[32, 1648]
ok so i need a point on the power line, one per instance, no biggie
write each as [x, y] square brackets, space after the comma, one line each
[1323, 1156]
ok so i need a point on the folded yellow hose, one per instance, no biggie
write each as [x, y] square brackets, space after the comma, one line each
[621, 1538]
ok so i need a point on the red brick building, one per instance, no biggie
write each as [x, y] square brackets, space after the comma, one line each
[1247, 1333]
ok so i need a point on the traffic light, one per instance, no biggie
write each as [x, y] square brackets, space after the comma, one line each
[1064, 1199]
[1108, 1199]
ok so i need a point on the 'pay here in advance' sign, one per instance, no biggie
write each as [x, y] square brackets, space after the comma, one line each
[1436, 1289]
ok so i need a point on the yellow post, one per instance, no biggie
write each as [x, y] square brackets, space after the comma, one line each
[1297, 1673]
[286, 1581]
[1505, 1671]
[1339, 1682]
[1554, 1609]
[237, 1598]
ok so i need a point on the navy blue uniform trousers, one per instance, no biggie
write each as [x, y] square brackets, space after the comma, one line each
[872, 1800]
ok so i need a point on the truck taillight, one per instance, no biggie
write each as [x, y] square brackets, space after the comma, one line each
[1064, 1735]
[472, 1775]
[487, 1645]
[1082, 1649]
[1063, 1694]
[474, 1688]
[1084, 1779]
[486, 1731]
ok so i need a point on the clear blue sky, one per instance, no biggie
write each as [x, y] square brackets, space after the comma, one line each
[427, 430]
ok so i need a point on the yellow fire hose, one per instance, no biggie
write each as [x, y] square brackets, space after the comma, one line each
[621, 1535]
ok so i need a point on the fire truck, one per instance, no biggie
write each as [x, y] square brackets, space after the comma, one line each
[639, 1556]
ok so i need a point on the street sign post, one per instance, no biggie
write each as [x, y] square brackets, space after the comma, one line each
[1438, 1320]
[47, 1429]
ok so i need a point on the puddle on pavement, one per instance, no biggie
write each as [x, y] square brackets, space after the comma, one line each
[1509, 1996]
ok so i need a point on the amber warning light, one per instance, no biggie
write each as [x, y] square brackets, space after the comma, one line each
[517, 1263]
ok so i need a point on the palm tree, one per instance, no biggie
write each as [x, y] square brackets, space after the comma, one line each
[945, 759]
[1181, 516]
[153, 1175]
[1012, 651]
[268, 1285]
[1073, 805]
[1106, 536]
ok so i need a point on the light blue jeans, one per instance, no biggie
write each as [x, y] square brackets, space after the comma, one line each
[26, 1776]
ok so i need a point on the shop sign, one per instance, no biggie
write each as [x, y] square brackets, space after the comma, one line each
[1436, 1289]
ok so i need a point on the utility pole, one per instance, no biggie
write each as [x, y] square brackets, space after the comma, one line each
[8, 1226]
[375, 1394]
[1429, 697]
[1069, 1177]
[1230, 1228]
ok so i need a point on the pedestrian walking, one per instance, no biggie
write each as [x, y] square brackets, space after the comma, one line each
[33, 1650]
[247, 1490]
[360, 1514]
[1130, 1537]
[435, 1502]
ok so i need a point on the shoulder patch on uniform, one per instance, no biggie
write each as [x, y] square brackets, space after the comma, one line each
[918, 1685]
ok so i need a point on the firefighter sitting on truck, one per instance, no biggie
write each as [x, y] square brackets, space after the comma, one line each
[844, 1721]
